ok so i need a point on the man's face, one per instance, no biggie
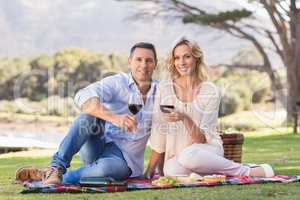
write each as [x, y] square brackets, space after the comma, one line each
[142, 64]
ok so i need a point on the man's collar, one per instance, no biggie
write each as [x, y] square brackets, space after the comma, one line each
[132, 82]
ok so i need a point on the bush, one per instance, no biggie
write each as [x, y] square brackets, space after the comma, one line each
[244, 92]
[229, 104]
[62, 74]
[240, 88]
[236, 95]
[59, 106]
[54, 105]
[240, 126]
[259, 96]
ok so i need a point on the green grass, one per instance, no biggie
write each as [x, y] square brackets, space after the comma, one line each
[281, 149]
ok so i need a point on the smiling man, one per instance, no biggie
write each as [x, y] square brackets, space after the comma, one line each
[111, 141]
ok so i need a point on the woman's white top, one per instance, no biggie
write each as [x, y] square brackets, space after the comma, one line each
[172, 137]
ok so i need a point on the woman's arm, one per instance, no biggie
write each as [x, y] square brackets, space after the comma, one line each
[202, 131]
[156, 160]
[195, 132]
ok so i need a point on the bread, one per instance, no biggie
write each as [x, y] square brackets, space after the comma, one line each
[164, 182]
[214, 178]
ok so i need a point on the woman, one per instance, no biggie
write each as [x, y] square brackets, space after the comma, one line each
[186, 137]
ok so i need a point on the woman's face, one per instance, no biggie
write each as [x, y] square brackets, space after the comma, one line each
[185, 62]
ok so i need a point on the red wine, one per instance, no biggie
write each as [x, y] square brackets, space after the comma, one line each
[134, 108]
[167, 108]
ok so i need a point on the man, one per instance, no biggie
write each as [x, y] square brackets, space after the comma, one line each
[111, 140]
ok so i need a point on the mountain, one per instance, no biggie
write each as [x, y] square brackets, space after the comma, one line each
[32, 27]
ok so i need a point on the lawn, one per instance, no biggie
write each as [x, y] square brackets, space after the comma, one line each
[279, 148]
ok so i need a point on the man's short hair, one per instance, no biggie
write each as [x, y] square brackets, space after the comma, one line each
[144, 45]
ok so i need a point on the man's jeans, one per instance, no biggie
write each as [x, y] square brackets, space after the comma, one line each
[100, 159]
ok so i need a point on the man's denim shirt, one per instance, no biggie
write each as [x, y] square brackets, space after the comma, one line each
[115, 92]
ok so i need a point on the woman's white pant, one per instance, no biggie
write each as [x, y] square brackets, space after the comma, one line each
[203, 159]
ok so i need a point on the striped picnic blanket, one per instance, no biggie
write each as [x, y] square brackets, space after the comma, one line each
[141, 184]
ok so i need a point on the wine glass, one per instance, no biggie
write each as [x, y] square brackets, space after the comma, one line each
[134, 108]
[167, 104]
[167, 108]
[134, 104]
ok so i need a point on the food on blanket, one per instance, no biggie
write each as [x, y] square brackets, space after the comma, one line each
[208, 178]
[214, 178]
[164, 181]
[183, 179]
[195, 177]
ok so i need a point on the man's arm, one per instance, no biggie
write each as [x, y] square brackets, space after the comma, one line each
[94, 107]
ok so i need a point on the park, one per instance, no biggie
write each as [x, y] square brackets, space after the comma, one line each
[250, 52]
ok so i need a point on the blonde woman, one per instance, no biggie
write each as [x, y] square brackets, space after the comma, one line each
[184, 127]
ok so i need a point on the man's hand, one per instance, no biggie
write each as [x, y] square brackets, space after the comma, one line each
[95, 108]
[126, 122]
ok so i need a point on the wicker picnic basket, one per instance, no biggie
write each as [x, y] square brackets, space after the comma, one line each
[232, 144]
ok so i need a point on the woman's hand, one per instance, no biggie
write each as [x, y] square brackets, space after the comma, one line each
[197, 135]
[174, 116]
[156, 160]
[149, 173]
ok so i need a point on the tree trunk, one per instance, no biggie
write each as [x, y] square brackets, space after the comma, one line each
[293, 72]
[296, 63]
[293, 94]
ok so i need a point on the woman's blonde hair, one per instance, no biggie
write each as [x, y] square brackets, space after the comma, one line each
[197, 54]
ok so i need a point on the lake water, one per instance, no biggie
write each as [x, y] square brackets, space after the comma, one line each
[13, 138]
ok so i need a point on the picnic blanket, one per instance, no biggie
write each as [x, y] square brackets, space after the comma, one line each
[141, 184]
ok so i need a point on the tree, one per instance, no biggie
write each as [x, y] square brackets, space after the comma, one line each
[283, 36]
